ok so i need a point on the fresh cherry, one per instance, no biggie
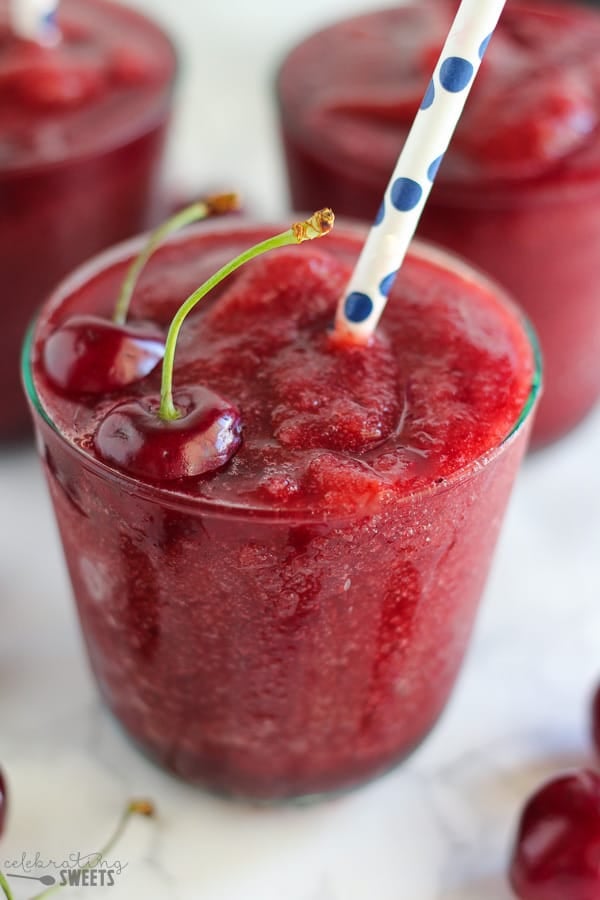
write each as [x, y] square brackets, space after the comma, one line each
[556, 855]
[2, 802]
[88, 354]
[207, 433]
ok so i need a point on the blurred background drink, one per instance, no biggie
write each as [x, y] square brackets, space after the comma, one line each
[518, 193]
[82, 131]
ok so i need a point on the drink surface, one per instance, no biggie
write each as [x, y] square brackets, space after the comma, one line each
[326, 426]
[534, 111]
[110, 73]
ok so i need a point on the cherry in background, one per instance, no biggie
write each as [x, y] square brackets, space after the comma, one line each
[556, 854]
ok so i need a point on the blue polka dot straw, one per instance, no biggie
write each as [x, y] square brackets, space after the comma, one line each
[35, 20]
[405, 196]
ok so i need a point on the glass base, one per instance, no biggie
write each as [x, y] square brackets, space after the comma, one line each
[281, 800]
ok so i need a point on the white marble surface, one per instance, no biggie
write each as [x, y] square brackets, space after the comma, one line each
[436, 829]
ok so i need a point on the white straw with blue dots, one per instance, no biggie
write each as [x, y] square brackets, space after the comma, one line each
[405, 196]
[35, 20]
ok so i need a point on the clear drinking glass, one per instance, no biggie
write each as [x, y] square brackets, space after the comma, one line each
[262, 651]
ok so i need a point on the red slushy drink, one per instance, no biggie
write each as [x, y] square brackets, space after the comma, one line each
[293, 622]
[82, 129]
[518, 193]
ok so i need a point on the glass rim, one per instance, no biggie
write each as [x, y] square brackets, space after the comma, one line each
[135, 129]
[171, 498]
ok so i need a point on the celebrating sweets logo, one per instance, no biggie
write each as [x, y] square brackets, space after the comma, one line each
[76, 870]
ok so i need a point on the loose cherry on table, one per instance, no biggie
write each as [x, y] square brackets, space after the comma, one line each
[91, 354]
[557, 850]
[167, 437]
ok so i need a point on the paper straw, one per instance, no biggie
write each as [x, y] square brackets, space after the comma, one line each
[387, 243]
[35, 20]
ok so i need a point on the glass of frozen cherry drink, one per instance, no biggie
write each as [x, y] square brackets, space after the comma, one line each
[82, 130]
[277, 550]
[518, 192]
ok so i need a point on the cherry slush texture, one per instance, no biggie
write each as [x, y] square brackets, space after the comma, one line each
[518, 192]
[293, 623]
[82, 129]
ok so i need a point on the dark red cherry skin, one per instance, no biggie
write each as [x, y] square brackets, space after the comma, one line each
[88, 354]
[134, 439]
[556, 855]
[3, 803]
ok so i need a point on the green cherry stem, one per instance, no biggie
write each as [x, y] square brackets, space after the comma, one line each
[5, 887]
[133, 808]
[318, 225]
[216, 205]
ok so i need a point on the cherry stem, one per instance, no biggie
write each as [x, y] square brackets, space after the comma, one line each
[133, 808]
[319, 224]
[215, 205]
[5, 887]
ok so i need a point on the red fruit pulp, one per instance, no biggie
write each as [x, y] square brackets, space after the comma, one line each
[557, 850]
[293, 622]
[518, 192]
[81, 141]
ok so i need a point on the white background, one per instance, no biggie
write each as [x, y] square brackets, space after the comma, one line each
[436, 829]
